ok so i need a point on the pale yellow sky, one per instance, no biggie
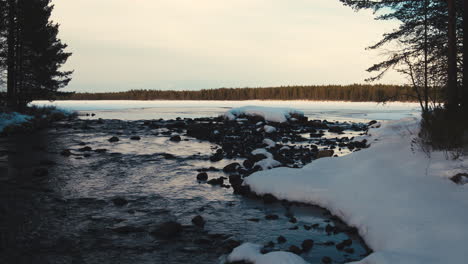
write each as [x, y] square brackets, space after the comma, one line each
[188, 44]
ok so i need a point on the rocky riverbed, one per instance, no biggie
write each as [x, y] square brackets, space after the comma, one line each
[165, 191]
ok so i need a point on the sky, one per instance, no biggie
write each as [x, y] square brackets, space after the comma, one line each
[120, 45]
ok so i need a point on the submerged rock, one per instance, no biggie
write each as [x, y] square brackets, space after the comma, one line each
[202, 176]
[168, 230]
[113, 139]
[198, 221]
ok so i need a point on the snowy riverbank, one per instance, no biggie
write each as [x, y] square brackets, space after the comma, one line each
[398, 197]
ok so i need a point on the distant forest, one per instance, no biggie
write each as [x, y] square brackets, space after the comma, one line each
[355, 92]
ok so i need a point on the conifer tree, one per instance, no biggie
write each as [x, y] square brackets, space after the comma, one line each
[34, 53]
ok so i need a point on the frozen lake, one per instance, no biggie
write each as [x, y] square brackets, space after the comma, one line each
[138, 110]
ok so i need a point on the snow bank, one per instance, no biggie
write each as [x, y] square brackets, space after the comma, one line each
[7, 119]
[397, 196]
[271, 114]
[251, 252]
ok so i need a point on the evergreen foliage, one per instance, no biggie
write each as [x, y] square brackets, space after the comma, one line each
[355, 92]
[30, 52]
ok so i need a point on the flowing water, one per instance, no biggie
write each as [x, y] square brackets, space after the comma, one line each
[69, 216]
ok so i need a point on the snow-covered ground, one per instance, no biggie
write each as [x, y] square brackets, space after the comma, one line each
[398, 197]
[7, 119]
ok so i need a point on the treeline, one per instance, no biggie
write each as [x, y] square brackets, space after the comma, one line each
[355, 92]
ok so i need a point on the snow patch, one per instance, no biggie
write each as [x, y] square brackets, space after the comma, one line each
[251, 253]
[271, 114]
[400, 199]
[270, 143]
[269, 129]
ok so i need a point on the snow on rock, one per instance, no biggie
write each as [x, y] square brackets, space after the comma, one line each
[8, 119]
[400, 200]
[269, 162]
[251, 253]
[270, 143]
[271, 114]
[269, 129]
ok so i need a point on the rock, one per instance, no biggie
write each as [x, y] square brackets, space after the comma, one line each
[119, 201]
[235, 179]
[217, 181]
[269, 199]
[460, 178]
[216, 157]
[326, 260]
[135, 138]
[202, 176]
[168, 156]
[307, 227]
[293, 220]
[256, 220]
[168, 230]
[65, 152]
[281, 240]
[325, 153]
[233, 167]
[372, 122]
[231, 244]
[40, 172]
[198, 221]
[85, 149]
[248, 164]
[347, 242]
[272, 217]
[100, 150]
[113, 139]
[127, 229]
[336, 129]
[295, 249]
[307, 245]
[175, 138]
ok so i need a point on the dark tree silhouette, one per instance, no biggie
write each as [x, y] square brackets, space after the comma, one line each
[428, 29]
[34, 53]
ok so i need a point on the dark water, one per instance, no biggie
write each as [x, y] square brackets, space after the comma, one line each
[68, 216]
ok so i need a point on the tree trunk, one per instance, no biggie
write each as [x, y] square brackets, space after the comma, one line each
[11, 57]
[465, 56]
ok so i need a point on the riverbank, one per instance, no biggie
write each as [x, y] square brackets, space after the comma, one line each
[398, 194]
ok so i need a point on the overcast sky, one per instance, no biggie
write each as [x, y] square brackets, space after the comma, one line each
[193, 44]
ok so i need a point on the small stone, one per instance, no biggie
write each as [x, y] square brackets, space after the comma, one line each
[113, 139]
[233, 167]
[281, 240]
[293, 220]
[272, 217]
[168, 230]
[175, 138]
[307, 245]
[326, 260]
[119, 201]
[217, 181]
[135, 138]
[269, 199]
[65, 152]
[202, 176]
[295, 249]
[85, 149]
[198, 221]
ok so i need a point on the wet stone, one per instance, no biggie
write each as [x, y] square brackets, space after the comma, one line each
[272, 217]
[281, 240]
[295, 249]
[307, 245]
[119, 201]
[175, 138]
[202, 176]
[198, 221]
[135, 138]
[168, 230]
[113, 139]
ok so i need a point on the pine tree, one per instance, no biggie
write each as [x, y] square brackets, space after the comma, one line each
[34, 54]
